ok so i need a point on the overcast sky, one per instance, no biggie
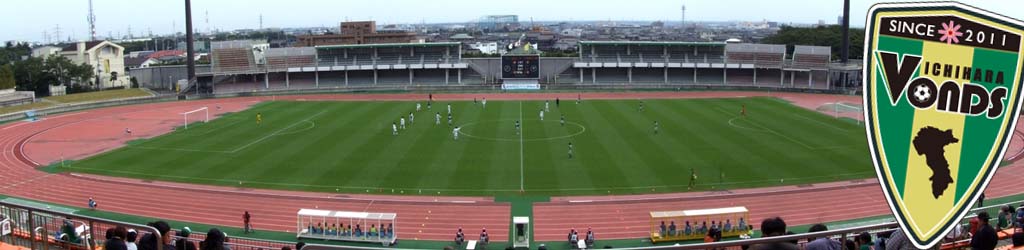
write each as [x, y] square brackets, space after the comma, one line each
[28, 20]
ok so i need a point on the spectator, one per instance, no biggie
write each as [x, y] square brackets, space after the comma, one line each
[672, 229]
[1018, 237]
[459, 237]
[974, 225]
[286, 248]
[864, 241]
[130, 239]
[898, 241]
[850, 245]
[92, 203]
[359, 231]
[484, 238]
[728, 226]
[568, 237]
[573, 238]
[957, 233]
[986, 237]
[245, 220]
[774, 227]
[150, 241]
[300, 245]
[349, 232]
[1002, 218]
[226, 240]
[183, 243]
[981, 199]
[882, 238]
[823, 243]
[590, 237]
[391, 230]
[115, 239]
[214, 240]
[373, 230]
[703, 227]
[1020, 215]
[742, 223]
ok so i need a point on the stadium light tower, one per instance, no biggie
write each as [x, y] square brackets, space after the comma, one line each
[845, 50]
[682, 19]
[92, 23]
[190, 59]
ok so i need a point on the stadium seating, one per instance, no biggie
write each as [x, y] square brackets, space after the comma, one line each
[811, 57]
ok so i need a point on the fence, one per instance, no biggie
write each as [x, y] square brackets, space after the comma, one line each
[87, 105]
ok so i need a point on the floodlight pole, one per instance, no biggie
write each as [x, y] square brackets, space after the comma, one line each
[190, 61]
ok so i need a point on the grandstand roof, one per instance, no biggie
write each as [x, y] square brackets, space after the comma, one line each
[388, 45]
[755, 48]
[653, 43]
[812, 50]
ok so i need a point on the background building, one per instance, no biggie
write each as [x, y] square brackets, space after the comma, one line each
[364, 32]
[105, 57]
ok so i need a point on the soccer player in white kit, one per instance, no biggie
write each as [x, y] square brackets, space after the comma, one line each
[449, 108]
[484, 102]
[402, 121]
[412, 118]
[541, 114]
[437, 118]
[417, 106]
[547, 106]
[394, 129]
[455, 133]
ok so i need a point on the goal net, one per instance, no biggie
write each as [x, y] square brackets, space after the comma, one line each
[198, 115]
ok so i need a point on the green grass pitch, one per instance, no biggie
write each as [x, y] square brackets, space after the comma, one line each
[348, 147]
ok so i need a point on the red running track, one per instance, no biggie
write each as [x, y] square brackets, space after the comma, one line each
[27, 145]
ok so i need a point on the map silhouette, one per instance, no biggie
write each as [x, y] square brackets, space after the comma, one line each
[931, 142]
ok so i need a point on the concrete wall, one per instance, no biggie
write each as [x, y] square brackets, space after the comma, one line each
[163, 77]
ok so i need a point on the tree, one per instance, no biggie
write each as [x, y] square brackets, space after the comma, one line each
[819, 36]
[6, 77]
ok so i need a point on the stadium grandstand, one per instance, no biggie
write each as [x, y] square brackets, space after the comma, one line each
[247, 66]
[241, 66]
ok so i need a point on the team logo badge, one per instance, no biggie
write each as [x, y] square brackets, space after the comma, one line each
[941, 98]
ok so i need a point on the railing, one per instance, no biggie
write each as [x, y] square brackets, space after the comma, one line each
[41, 228]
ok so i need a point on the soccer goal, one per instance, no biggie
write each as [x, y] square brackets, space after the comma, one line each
[198, 115]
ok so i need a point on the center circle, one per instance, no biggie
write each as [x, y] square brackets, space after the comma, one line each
[508, 125]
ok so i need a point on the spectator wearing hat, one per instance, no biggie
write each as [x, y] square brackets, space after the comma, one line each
[129, 241]
[183, 243]
[986, 237]
[150, 241]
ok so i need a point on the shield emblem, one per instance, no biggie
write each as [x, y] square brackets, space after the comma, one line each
[941, 95]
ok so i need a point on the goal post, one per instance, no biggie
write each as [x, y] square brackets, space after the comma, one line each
[198, 115]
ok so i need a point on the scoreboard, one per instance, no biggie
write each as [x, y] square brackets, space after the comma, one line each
[520, 67]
